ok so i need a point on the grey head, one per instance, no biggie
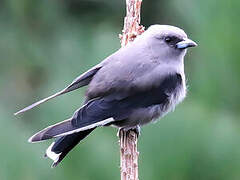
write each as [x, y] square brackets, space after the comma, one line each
[166, 42]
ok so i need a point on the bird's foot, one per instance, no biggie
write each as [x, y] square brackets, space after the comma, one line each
[136, 129]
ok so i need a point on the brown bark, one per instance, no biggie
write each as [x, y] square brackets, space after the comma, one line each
[132, 27]
[128, 139]
[128, 155]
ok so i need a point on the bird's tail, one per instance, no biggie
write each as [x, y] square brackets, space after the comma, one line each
[63, 145]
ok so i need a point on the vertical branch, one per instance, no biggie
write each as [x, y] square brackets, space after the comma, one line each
[128, 155]
[132, 27]
[128, 139]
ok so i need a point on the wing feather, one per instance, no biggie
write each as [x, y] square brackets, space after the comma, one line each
[80, 81]
[103, 111]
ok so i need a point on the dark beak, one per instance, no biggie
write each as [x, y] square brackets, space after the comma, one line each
[186, 43]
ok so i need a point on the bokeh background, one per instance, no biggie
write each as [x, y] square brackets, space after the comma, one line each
[45, 44]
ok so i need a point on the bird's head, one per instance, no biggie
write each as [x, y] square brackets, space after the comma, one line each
[167, 41]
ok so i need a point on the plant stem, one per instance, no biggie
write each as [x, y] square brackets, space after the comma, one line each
[128, 139]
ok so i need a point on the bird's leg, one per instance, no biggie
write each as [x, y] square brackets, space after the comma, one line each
[136, 129]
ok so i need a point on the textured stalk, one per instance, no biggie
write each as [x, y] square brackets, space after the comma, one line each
[128, 139]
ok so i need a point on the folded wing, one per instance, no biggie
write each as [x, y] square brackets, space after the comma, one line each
[93, 114]
[107, 110]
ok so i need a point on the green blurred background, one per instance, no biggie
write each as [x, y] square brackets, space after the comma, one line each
[45, 44]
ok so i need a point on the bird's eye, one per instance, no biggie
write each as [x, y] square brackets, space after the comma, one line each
[168, 39]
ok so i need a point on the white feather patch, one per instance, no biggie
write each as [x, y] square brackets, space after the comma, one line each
[52, 155]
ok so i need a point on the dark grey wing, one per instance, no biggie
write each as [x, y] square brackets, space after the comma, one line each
[80, 81]
[95, 113]
[144, 98]
[106, 110]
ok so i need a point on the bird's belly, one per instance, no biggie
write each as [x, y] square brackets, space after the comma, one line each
[142, 116]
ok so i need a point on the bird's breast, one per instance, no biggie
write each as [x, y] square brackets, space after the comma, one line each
[155, 112]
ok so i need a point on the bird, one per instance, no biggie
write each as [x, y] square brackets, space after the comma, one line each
[136, 85]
